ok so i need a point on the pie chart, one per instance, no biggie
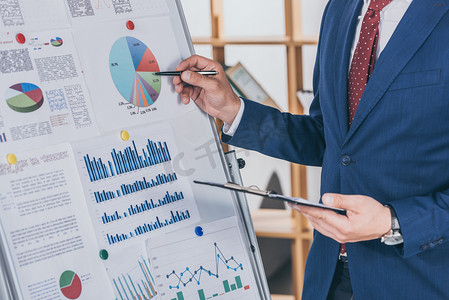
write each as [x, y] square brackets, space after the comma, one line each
[56, 42]
[24, 97]
[132, 66]
[70, 285]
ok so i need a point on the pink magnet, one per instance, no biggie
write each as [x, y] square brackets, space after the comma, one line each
[20, 38]
[130, 25]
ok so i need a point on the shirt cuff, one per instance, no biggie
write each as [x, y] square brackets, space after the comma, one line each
[231, 129]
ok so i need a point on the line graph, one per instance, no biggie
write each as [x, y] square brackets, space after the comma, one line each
[196, 275]
[208, 266]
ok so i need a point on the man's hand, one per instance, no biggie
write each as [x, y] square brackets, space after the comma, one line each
[213, 94]
[365, 219]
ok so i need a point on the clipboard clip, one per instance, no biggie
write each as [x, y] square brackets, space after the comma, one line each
[235, 187]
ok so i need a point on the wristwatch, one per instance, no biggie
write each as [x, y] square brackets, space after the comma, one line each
[394, 236]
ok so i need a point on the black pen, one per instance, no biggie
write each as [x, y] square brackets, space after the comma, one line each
[178, 73]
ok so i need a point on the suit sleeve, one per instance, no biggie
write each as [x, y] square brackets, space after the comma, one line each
[296, 138]
[424, 222]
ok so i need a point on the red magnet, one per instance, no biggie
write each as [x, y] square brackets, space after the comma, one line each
[20, 38]
[130, 25]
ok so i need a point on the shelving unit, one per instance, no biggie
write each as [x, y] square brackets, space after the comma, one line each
[276, 223]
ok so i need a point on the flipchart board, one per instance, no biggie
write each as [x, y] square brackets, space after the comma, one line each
[98, 157]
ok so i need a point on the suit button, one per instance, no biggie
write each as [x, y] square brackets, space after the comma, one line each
[345, 160]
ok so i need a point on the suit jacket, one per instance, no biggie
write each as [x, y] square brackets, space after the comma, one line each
[396, 151]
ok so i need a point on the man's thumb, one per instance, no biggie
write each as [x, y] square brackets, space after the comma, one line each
[332, 200]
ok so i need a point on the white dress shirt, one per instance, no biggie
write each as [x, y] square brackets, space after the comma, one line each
[390, 17]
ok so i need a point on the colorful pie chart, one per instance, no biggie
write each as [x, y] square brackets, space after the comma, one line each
[56, 42]
[132, 66]
[24, 97]
[70, 285]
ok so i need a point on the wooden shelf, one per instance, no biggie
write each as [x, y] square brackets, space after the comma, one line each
[277, 223]
[282, 297]
[263, 40]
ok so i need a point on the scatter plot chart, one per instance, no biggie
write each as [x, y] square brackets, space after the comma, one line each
[132, 66]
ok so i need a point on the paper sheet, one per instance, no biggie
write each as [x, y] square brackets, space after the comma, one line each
[131, 187]
[210, 261]
[46, 223]
[119, 72]
[19, 15]
[89, 11]
[44, 97]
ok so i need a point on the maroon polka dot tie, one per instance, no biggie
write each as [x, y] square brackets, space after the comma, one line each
[363, 62]
[364, 56]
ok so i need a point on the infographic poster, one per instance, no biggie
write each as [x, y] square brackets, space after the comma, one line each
[211, 262]
[45, 222]
[131, 187]
[32, 15]
[43, 96]
[94, 11]
[121, 72]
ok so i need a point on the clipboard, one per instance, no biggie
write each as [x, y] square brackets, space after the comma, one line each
[271, 195]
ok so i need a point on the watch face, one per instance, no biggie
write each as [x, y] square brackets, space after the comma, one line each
[394, 239]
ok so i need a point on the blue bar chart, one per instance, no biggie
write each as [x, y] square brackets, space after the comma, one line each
[133, 186]
[136, 186]
[157, 223]
[127, 160]
[143, 207]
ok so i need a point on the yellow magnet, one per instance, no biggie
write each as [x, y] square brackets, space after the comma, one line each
[124, 135]
[11, 158]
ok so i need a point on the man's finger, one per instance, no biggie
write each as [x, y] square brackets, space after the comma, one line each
[197, 62]
[177, 80]
[186, 94]
[325, 216]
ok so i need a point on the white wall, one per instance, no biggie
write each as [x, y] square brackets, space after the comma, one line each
[266, 63]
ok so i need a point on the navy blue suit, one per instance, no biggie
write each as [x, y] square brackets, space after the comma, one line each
[396, 151]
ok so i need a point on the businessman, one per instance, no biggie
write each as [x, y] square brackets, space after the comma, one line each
[379, 127]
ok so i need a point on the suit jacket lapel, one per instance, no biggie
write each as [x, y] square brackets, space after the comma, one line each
[344, 41]
[414, 28]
